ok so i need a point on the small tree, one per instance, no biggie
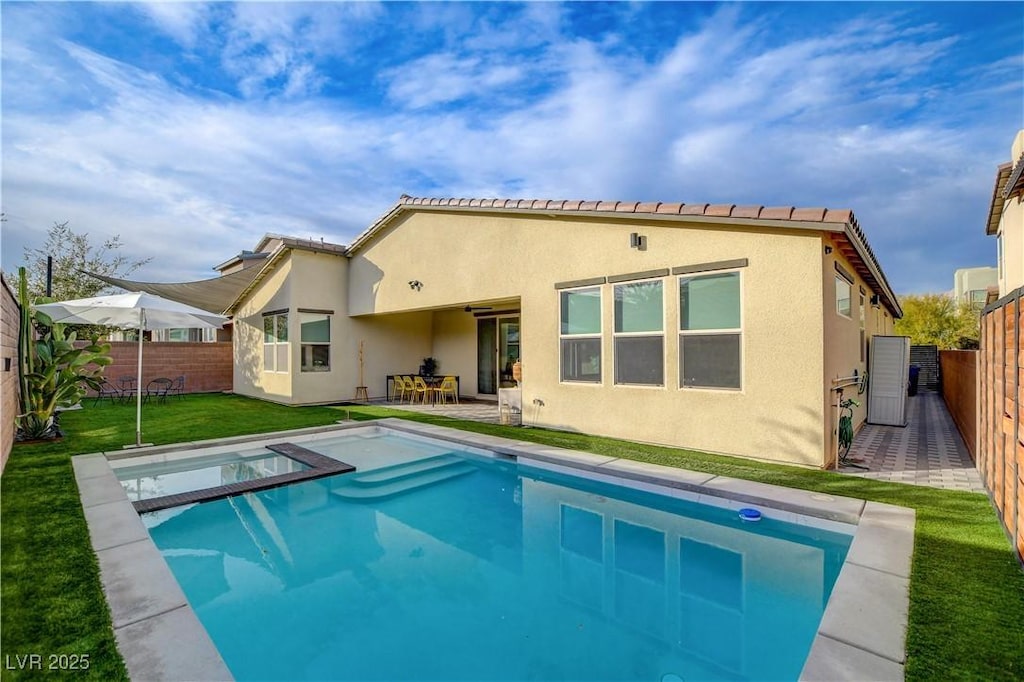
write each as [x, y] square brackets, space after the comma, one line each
[939, 320]
[73, 253]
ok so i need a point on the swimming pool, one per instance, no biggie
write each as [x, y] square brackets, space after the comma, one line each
[445, 564]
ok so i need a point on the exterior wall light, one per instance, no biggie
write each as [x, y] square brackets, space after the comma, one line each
[415, 284]
[828, 250]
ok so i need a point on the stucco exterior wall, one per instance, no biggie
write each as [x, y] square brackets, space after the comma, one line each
[454, 345]
[1011, 231]
[474, 258]
[250, 379]
[842, 349]
[317, 281]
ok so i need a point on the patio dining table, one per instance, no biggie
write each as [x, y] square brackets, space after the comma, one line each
[432, 381]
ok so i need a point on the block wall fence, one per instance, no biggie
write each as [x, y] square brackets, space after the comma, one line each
[10, 323]
[207, 366]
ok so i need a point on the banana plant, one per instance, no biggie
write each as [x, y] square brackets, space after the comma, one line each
[54, 372]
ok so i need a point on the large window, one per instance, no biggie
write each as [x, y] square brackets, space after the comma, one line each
[639, 333]
[315, 332]
[843, 294]
[710, 331]
[275, 342]
[580, 335]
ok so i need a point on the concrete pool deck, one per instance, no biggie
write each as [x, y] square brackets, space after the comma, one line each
[862, 633]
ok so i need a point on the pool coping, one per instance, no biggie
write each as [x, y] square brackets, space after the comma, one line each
[862, 633]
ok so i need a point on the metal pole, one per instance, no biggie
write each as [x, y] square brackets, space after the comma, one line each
[49, 276]
[138, 383]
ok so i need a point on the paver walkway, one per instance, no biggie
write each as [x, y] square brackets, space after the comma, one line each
[928, 451]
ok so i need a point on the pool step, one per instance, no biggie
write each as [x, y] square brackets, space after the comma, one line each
[397, 472]
[402, 478]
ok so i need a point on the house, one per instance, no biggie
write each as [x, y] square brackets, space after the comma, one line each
[971, 285]
[713, 327]
[1006, 218]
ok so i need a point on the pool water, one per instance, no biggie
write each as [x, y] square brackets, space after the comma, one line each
[158, 479]
[454, 567]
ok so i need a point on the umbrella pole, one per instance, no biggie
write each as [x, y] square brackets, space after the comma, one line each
[138, 384]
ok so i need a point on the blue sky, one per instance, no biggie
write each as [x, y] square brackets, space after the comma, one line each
[192, 129]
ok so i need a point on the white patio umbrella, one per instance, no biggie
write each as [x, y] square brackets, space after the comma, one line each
[136, 310]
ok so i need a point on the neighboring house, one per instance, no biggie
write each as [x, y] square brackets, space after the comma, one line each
[971, 285]
[1006, 218]
[713, 327]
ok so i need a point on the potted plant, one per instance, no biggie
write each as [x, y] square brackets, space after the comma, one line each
[429, 367]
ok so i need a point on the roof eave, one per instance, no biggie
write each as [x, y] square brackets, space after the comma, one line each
[272, 259]
[995, 210]
[399, 208]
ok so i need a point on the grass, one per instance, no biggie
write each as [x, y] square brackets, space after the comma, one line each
[966, 590]
[49, 578]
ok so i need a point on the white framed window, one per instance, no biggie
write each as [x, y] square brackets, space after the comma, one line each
[844, 293]
[315, 340]
[711, 331]
[275, 342]
[579, 336]
[639, 333]
[999, 260]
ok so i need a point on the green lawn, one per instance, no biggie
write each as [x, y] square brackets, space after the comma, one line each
[967, 589]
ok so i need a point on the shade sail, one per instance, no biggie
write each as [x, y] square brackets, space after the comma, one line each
[213, 295]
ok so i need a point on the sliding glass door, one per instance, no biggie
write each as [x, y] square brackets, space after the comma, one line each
[497, 350]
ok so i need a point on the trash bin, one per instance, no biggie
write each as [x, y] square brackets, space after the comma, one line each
[915, 373]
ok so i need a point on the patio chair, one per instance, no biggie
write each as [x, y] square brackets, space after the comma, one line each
[397, 389]
[107, 390]
[446, 388]
[408, 389]
[158, 388]
[178, 387]
[420, 389]
[126, 384]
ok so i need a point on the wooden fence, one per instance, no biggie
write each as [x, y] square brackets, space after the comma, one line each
[960, 392]
[1001, 453]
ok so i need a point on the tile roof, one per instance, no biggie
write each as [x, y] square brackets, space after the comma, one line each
[655, 207]
[847, 233]
[1016, 180]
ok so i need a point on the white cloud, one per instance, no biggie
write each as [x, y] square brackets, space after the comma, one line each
[723, 115]
[185, 22]
[445, 78]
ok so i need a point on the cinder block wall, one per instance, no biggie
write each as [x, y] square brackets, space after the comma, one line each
[207, 366]
[10, 320]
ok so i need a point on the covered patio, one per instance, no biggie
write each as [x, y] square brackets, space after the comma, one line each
[471, 410]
